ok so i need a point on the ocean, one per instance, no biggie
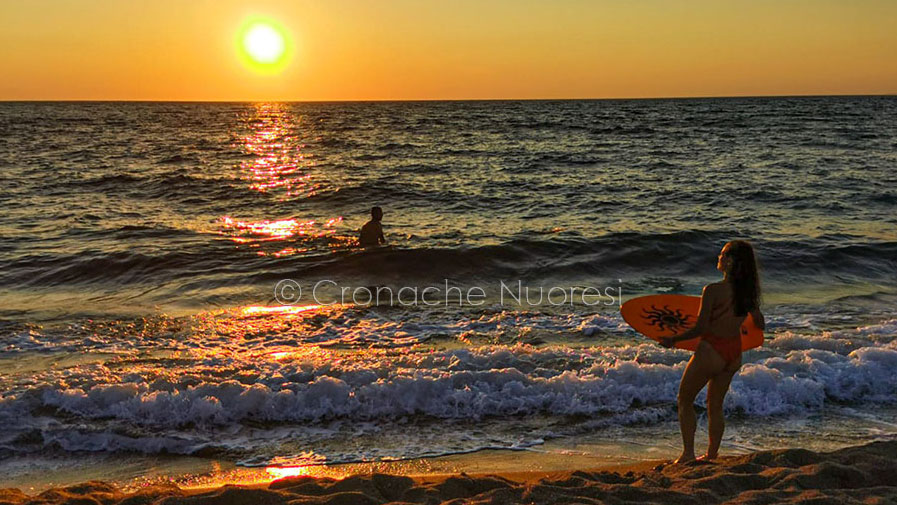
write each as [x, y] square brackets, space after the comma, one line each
[180, 281]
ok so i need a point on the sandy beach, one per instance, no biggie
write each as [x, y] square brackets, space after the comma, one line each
[862, 474]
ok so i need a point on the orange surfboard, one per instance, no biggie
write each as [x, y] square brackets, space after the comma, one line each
[659, 316]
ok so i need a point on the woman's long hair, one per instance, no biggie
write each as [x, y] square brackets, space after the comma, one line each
[745, 277]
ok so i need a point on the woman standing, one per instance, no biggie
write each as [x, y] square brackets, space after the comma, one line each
[724, 307]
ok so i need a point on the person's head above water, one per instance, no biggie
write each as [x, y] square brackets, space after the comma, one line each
[376, 213]
[739, 263]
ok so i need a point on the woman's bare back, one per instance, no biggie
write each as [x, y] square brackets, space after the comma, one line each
[723, 322]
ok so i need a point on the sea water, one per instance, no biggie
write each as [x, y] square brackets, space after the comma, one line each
[145, 247]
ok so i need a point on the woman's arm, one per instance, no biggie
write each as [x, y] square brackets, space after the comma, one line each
[700, 327]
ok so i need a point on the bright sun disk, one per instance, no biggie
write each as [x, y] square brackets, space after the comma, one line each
[264, 44]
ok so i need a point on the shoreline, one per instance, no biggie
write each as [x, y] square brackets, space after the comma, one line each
[194, 473]
[850, 475]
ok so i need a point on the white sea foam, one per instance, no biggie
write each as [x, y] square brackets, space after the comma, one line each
[232, 392]
[463, 384]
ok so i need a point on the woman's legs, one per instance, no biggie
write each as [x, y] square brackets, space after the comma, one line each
[716, 394]
[701, 368]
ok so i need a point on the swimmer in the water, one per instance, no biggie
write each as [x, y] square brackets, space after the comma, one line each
[372, 232]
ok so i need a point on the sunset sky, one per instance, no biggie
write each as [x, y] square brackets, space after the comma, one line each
[468, 49]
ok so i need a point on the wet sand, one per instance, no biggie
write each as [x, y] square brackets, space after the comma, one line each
[864, 474]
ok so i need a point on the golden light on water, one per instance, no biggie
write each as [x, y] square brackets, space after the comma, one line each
[265, 230]
[263, 45]
[303, 464]
[280, 472]
[254, 233]
[250, 321]
[278, 309]
[276, 165]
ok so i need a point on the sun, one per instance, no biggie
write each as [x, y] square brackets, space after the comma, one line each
[263, 45]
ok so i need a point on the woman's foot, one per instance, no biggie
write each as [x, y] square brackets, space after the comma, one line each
[707, 457]
[685, 458]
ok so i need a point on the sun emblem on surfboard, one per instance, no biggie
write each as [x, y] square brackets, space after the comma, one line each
[666, 318]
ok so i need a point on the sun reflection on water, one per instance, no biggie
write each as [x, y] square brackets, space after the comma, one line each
[295, 466]
[279, 162]
[220, 476]
[261, 231]
[279, 165]
[266, 231]
[254, 320]
[280, 472]
[277, 309]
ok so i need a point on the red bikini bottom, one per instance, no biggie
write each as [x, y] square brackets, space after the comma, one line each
[728, 348]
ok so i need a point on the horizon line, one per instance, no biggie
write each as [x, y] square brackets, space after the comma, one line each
[418, 100]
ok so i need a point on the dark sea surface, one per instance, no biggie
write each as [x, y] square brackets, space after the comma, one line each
[141, 244]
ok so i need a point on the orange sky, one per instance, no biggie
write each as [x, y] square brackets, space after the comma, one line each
[462, 49]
